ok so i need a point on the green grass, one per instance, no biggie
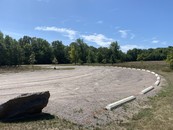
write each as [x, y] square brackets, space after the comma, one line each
[158, 117]
[161, 114]
[147, 112]
[151, 65]
[17, 69]
[125, 107]
[39, 122]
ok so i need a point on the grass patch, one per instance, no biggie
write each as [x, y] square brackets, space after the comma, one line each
[40, 122]
[150, 65]
[24, 68]
[166, 69]
[30, 118]
[17, 69]
[125, 107]
[143, 113]
[160, 115]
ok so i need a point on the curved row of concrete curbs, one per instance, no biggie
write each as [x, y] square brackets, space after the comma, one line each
[132, 97]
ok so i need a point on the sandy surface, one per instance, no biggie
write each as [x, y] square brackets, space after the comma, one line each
[79, 95]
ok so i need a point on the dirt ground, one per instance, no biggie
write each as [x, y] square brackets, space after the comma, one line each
[81, 94]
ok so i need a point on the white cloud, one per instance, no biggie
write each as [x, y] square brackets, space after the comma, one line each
[99, 39]
[132, 36]
[155, 41]
[13, 34]
[66, 32]
[127, 47]
[126, 34]
[123, 33]
[164, 43]
[100, 22]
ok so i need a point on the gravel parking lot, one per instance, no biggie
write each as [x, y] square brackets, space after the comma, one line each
[81, 94]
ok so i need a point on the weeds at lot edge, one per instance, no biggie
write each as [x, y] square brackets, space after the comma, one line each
[24, 68]
[40, 123]
[17, 69]
[160, 115]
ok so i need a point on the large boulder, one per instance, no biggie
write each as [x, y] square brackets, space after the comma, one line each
[25, 104]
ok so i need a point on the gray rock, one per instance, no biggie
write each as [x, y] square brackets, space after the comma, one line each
[25, 104]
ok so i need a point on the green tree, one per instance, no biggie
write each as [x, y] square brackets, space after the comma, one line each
[55, 61]
[67, 56]
[99, 57]
[59, 51]
[133, 54]
[114, 52]
[104, 61]
[92, 51]
[90, 56]
[2, 50]
[26, 48]
[16, 53]
[122, 56]
[112, 59]
[73, 54]
[170, 59]
[103, 54]
[81, 50]
[8, 44]
[42, 50]
[32, 59]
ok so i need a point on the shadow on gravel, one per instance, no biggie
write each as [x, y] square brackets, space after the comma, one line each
[30, 118]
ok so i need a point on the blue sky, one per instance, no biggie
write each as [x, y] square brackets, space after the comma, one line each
[133, 23]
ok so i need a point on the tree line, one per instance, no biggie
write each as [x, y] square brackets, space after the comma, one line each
[30, 50]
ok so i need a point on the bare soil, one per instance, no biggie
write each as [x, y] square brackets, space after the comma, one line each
[81, 94]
